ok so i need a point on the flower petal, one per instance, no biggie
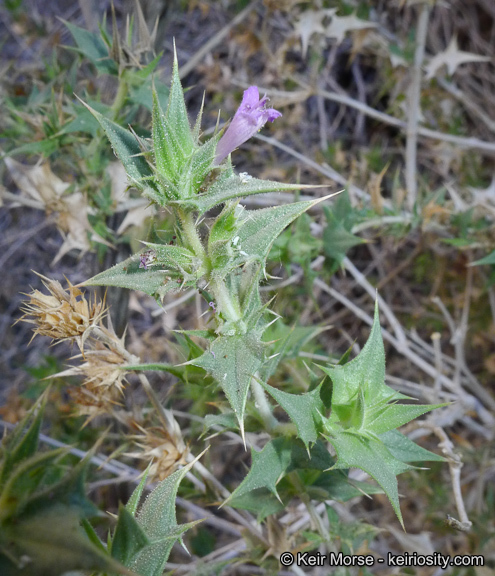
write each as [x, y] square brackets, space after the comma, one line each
[250, 117]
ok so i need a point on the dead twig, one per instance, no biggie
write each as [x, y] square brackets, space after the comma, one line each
[455, 465]
[413, 107]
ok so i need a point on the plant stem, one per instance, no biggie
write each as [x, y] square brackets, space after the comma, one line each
[223, 300]
[191, 233]
[306, 500]
[262, 404]
[120, 97]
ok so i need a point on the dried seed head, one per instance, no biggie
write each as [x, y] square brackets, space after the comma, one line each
[165, 447]
[93, 403]
[62, 314]
[104, 377]
[102, 369]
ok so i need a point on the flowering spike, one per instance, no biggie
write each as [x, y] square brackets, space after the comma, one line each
[250, 117]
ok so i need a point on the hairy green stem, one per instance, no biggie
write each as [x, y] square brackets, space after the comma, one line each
[223, 300]
[306, 500]
[120, 97]
[262, 404]
[191, 233]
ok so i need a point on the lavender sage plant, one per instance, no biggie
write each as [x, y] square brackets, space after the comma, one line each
[176, 170]
[226, 262]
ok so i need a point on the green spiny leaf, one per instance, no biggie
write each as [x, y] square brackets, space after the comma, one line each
[372, 456]
[24, 479]
[288, 343]
[133, 502]
[337, 236]
[202, 162]
[230, 186]
[266, 485]
[23, 441]
[169, 155]
[489, 259]
[177, 112]
[303, 409]
[260, 501]
[127, 149]
[226, 421]
[260, 228]
[267, 468]
[139, 75]
[406, 450]
[158, 523]
[40, 511]
[367, 369]
[93, 48]
[129, 538]
[165, 272]
[70, 491]
[92, 535]
[392, 416]
[50, 544]
[337, 240]
[364, 412]
[233, 361]
[225, 225]
[176, 258]
[243, 286]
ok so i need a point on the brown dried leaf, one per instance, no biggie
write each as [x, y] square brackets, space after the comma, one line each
[136, 217]
[341, 25]
[118, 179]
[74, 225]
[375, 190]
[309, 23]
[434, 210]
[38, 182]
[452, 57]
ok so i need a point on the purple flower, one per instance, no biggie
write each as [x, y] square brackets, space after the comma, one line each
[250, 117]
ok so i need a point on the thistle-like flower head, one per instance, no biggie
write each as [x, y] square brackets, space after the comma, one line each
[104, 374]
[62, 314]
[165, 447]
[250, 117]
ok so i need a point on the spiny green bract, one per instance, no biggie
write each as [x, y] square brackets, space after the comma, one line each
[362, 427]
[143, 538]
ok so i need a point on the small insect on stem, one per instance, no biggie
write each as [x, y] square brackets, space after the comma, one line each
[147, 258]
